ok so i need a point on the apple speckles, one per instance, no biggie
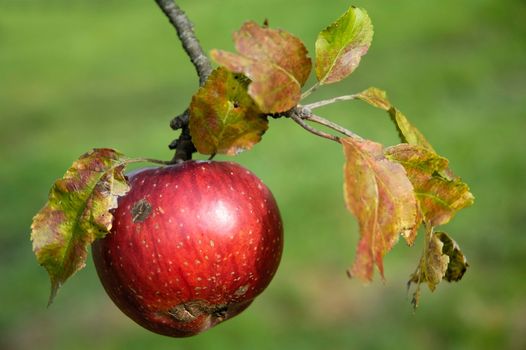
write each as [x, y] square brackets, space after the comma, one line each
[212, 243]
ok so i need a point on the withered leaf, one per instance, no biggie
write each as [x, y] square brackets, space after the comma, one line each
[458, 263]
[442, 259]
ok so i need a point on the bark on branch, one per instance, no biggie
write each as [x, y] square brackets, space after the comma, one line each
[183, 145]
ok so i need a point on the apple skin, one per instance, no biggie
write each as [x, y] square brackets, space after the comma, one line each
[191, 246]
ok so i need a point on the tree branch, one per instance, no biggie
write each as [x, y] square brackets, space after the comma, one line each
[301, 114]
[183, 145]
[186, 34]
[297, 115]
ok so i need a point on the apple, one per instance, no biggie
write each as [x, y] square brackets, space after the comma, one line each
[191, 246]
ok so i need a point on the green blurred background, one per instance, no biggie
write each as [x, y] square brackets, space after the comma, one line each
[81, 74]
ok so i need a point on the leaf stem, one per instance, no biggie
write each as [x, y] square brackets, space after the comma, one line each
[310, 90]
[330, 101]
[149, 160]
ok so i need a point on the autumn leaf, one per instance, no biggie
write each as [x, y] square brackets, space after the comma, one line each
[340, 46]
[276, 62]
[408, 132]
[378, 192]
[223, 117]
[440, 195]
[77, 213]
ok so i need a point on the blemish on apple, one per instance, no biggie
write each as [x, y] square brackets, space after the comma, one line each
[141, 210]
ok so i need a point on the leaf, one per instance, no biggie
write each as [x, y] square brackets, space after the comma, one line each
[276, 62]
[340, 46]
[442, 259]
[440, 195]
[77, 213]
[433, 264]
[378, 192]
[223, 117]
[407, 131]
[457, 261]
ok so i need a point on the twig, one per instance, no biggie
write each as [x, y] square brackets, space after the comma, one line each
[322, 121]
[186, 34]
[184, 146]
[330, 101]
[298, 119]
[301, 114]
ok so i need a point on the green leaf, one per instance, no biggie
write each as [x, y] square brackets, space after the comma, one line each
[340, 46]
[77, 213]
[407, 131]
[378, 192]
[223, 117]
[276, 62]
[458, 263]
[440, 194]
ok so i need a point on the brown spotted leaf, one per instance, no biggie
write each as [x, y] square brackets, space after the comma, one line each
[77, 213]
[340, 46]
[223, 117]
[274, 60]
[378, 192]
[433, 264]
[442, 259]
[457, 261]
[440, 196]
[407, 131]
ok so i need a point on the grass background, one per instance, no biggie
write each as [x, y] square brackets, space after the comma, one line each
[81, 74]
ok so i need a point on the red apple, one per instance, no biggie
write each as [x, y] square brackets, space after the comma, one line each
[192, 245]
